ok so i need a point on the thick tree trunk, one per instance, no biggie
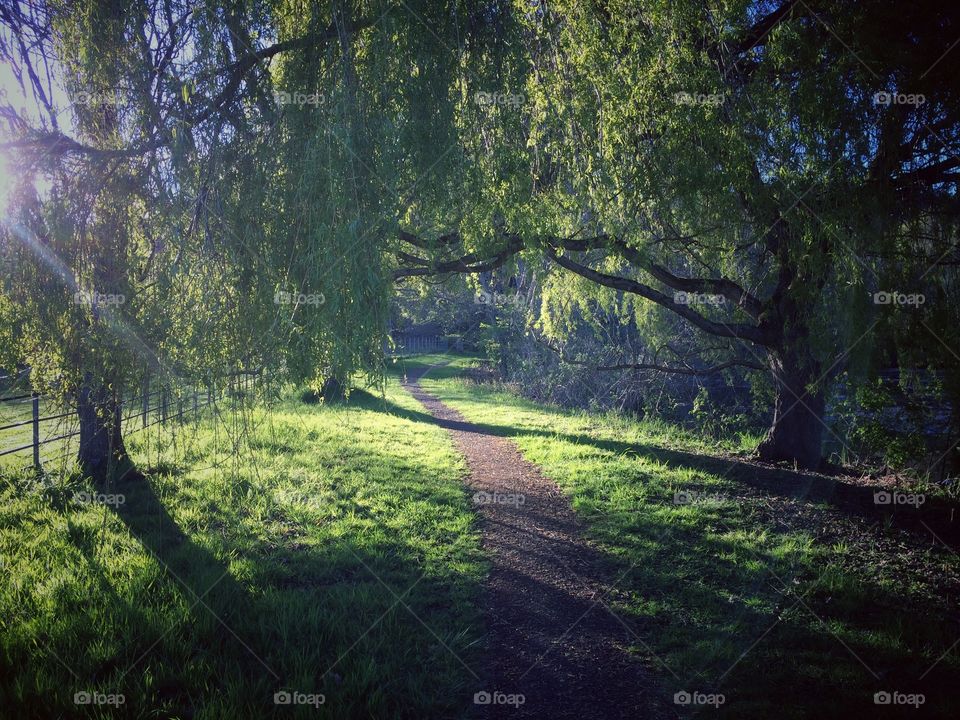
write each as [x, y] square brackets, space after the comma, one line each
[101, 452]
[332, 390]
[796, 433]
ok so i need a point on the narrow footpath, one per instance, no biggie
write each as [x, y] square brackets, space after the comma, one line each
[550, 635]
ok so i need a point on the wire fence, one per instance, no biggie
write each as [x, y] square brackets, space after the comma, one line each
[409, 344]
[43, 427]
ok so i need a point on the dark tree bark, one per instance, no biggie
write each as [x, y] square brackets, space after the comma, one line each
[796, 432]
[332, 390]
[102, 451]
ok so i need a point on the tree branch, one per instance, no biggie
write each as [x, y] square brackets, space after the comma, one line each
[58, 144]
[762, 28]
[653, 366]
[720, 329]
[474, 263]
[677, 370]
[715, 286]
[469, 263]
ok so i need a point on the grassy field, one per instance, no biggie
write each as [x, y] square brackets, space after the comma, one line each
[333, 553]
[788, 608]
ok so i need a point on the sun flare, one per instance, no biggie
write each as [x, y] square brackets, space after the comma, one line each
[6, 185]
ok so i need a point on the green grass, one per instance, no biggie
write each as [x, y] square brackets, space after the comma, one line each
[768, 600]
[226, 577]
[21, 411]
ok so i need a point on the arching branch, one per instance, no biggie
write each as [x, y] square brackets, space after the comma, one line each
[691, 371]
[720, 329]
[469, 263]
[57, 144]
[715, 286]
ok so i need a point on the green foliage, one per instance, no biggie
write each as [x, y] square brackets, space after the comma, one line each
[885, 423]
[710, 417]
[222, 180]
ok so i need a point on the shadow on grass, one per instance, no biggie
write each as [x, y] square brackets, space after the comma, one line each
[220, 609]
[765, 627]
[747, 617]
[707, 614]
[234, 615]
[936, 516]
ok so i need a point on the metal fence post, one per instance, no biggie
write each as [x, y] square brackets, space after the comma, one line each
[36, 430]
[196, 407]
[145, 400]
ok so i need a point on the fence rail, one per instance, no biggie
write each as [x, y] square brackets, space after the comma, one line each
[420, 343]
[152, 407]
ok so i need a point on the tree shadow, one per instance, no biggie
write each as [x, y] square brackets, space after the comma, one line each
[262, 614]
[758, 626]
[937, 518]
[220, 607]
[727, 612]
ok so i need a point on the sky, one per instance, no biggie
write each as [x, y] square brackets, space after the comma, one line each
[24, 104]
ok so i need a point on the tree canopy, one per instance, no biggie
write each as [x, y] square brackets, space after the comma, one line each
[761, 182]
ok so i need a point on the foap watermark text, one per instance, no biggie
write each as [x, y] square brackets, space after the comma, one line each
[503, 99]
[892, 98]
[688, 98]
[98, 299]
[895, 297]
[298, 99]
[294, 697]
[882, 497]
[690, 497]
[684, 697]
[498, 698]
[487, 298]
[498, 498]
[685, 298]
[885, 697]
[282, 297]
[93, 697]
[94, 498]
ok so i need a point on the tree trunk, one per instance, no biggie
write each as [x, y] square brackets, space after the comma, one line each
[796, 433]
[101, 452]
[332, 390]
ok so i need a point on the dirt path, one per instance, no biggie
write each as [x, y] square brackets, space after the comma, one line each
[550, 636]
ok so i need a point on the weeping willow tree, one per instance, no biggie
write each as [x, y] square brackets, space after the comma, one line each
[369, 136]
[265, 171]
[202, 221]
[752, 169]
[72, 257]
[235, 173]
